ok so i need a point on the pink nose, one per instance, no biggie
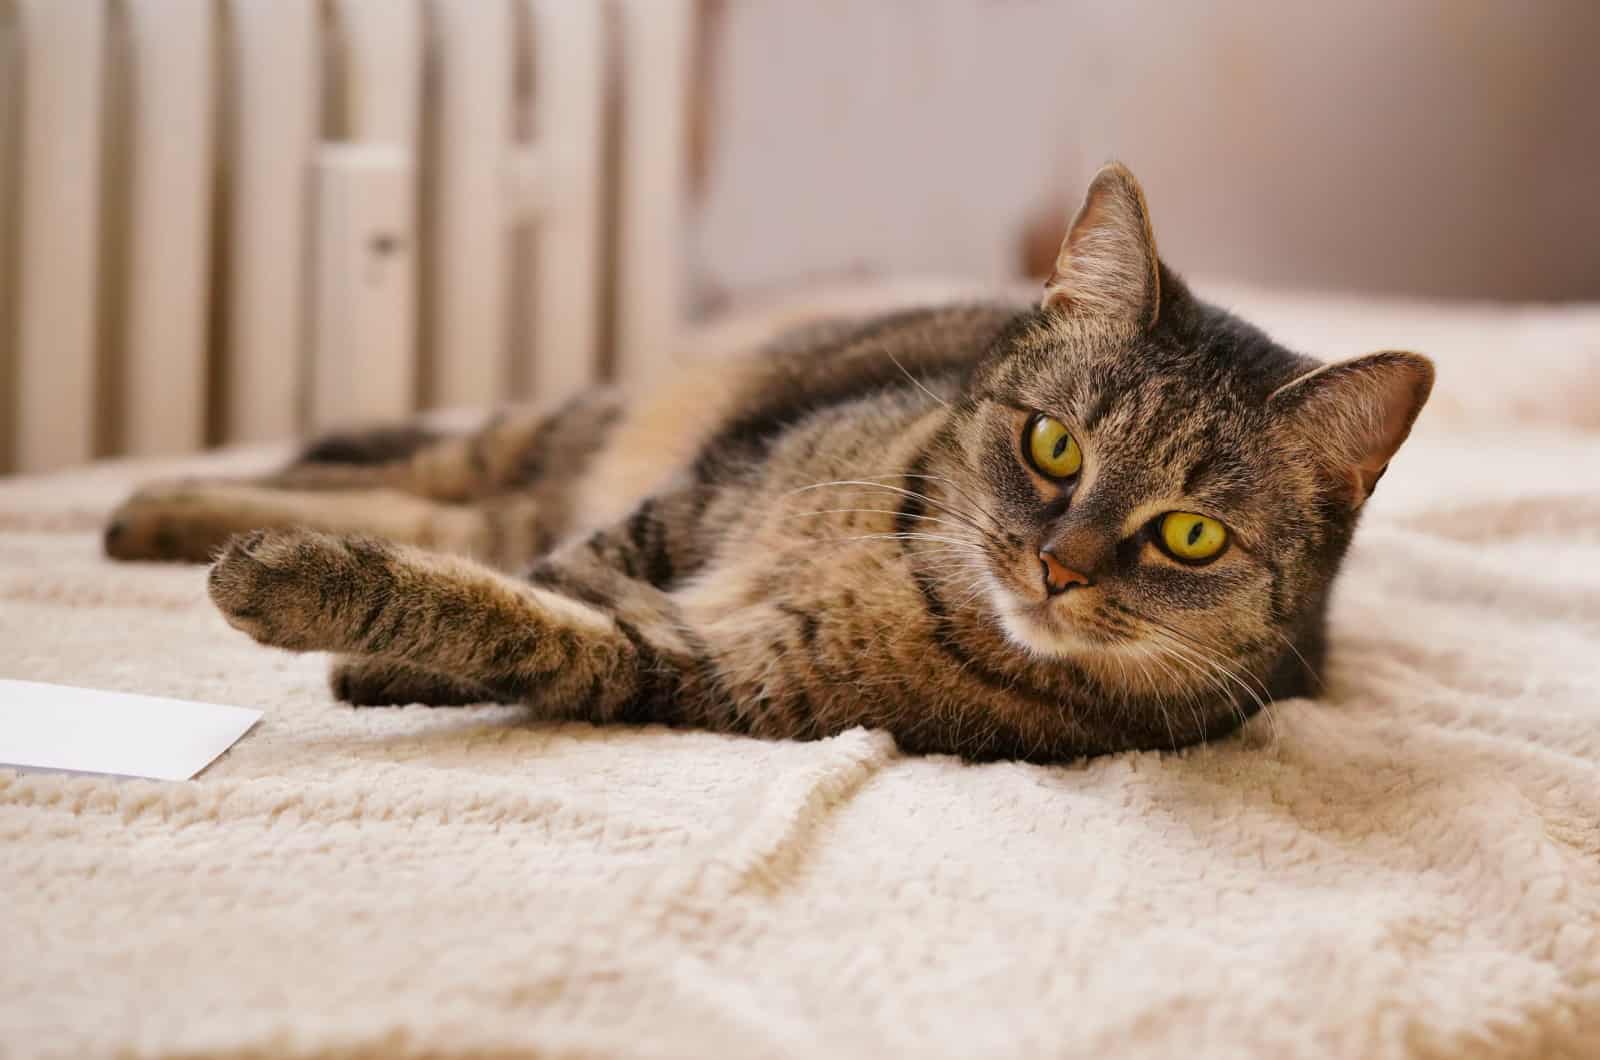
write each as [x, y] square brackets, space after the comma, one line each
[1059, 578]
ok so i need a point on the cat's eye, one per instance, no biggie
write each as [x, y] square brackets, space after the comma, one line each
[1190, 537]
[1050, 447]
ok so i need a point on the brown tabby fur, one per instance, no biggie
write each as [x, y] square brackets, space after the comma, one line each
[844, 530]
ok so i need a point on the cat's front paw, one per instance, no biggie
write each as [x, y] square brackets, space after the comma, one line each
[257, 584]
[298, 589]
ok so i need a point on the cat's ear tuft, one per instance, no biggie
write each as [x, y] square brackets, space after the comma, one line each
[1107, 265]
[1353, 416]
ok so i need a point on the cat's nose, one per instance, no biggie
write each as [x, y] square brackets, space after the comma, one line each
[1058, 577]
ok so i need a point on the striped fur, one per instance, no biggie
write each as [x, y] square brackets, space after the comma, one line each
[843, 530]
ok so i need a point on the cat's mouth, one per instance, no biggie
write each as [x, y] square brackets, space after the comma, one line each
[1065, 624]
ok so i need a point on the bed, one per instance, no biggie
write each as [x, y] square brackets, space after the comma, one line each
[1408, 866]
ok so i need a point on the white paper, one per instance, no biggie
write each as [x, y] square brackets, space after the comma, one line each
[81, 730]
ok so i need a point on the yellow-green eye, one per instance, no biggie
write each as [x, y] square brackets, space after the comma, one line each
[1192, 537]
[1051, 448]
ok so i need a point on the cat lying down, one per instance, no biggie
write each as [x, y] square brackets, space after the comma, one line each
[1110, 521]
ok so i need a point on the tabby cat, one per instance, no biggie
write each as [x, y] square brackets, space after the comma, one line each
[1111, 521]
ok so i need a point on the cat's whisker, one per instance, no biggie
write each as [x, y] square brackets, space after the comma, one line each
[1193, 666]
[947, 562]
[966, 521]
[912, 536]
[1221, 670]
[945, 542]
[954, 563]
[1146, 653]
[1270, 713]
[900, 491]
[1193, 702]
[1212, 654]
[961, 519]
[915, 381]
[951, 580]
[1166, 715]
[1311, 671]
[878, 511]
[927, 553]
[1257, 688]
[975, 591]
[1206, 665]
[1191, 697]
[951, 484]
[1177, 651]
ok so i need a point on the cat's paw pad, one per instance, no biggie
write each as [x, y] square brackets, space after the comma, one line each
[279, 586]
[169, 521]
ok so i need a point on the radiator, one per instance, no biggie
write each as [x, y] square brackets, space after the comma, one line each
[239, 220]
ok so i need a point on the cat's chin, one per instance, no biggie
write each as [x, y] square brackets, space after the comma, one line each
[1041, 628]
[1031, 635]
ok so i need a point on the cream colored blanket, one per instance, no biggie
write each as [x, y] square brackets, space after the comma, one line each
[1408, 867]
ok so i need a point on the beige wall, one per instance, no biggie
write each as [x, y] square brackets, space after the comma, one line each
[1438, 146]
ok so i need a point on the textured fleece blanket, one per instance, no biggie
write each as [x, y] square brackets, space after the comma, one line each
[1408, 866]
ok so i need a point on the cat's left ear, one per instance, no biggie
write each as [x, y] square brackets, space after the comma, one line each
[1107, 265]
[1353, 416]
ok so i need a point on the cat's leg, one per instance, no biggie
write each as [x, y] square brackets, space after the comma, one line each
[189, 519]
[365, 681]
[190, 522]
[307, 591]
[351, 483]
[621, 570]
[499, 493]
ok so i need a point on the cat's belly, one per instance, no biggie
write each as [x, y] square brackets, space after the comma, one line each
[663, 427]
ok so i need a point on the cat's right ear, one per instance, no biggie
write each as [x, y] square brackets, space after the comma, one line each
[1107, 265]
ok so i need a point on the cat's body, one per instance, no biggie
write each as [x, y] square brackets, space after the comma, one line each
[849, 528]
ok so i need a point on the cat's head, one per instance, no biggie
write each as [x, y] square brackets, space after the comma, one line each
[1174, 492]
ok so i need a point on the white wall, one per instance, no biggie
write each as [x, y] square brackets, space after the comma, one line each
[1438, 146]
